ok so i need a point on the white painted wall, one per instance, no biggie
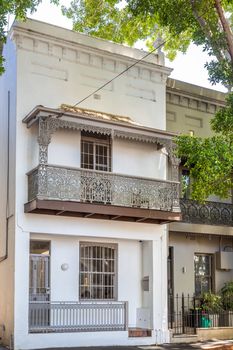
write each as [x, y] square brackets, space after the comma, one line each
[128, 157]
[138, 159]
[55, 71]
[64, 284]
[32, 148]
[65, 148]
[63, 68]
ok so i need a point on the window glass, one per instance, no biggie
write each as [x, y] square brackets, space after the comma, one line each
[95, 152]
[97, 271]
[203, 273]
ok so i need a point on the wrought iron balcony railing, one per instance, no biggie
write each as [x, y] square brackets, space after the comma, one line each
[210, 213]
[88, 186]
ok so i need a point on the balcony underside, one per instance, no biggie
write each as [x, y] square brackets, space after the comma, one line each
[100, 211]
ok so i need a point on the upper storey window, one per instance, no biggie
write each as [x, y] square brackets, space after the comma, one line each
[95, 151]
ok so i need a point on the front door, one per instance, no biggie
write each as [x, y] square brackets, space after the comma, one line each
[39, 285]
[39, 289]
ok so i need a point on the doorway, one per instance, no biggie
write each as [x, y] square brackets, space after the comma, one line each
[39, 285]
[39, 281]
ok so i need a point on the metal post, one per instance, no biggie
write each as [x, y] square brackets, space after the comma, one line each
[182, 314]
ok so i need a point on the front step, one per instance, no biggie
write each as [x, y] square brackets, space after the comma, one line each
[139, 332]
[184, 338]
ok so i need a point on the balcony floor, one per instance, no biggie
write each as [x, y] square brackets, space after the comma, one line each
[100, 211]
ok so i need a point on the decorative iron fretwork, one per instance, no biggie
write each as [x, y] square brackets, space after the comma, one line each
[210, 213]
[90, 186]
[49, 125]
[141, 137]
[55, 124]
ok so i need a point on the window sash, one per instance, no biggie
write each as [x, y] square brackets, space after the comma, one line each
[203, 273]
[95, 154]
[98, 271]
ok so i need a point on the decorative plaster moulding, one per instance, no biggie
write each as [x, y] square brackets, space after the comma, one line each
[50, 40]
[202, 104]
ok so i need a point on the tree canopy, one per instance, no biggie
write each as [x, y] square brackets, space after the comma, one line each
[206, 23]
[19, 9]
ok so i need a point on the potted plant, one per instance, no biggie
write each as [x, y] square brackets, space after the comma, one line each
[211, 305]
[227, 303]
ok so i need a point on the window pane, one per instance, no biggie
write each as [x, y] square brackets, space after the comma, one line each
[102, 159]
[87, 154]
[203, 273]
[97, 274]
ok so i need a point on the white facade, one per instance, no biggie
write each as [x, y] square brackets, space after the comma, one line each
[50, 66]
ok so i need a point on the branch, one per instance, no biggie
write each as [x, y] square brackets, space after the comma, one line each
[226, 27]
[207, 32]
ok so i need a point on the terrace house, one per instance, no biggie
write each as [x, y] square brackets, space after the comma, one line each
[87, 192]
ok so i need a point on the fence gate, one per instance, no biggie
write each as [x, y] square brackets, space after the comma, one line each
[183, 317]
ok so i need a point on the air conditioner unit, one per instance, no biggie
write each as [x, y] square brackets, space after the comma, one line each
[224, 260]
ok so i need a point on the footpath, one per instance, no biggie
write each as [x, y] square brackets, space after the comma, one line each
[207, 345]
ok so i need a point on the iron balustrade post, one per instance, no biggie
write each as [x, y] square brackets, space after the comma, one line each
[182, 314]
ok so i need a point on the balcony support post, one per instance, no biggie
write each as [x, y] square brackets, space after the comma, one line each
[175, 162]
[44, 139]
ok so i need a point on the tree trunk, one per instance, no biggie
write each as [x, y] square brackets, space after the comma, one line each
[226, 28]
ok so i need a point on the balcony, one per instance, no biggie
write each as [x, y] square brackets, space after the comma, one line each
[57, 190]
[209, 213]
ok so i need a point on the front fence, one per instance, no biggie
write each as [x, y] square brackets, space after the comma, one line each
[185, 315]
[77, 316]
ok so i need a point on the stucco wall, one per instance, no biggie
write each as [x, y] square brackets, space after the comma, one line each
[185, 246]
[52, 71]
[128, 157]
[183, 119]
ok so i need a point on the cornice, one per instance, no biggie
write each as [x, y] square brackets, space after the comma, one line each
[84, 54]
[193, 101]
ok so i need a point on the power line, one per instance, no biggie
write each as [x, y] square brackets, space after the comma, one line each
[125, 70]
[118, 75]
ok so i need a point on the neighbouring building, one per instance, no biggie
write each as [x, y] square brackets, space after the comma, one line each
[201, 246]
[86, 192]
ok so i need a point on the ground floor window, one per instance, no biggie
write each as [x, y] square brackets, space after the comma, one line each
[203, 273]
[97, 271]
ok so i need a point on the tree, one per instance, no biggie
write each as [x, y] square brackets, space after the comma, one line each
[19, 9]
[178, 22]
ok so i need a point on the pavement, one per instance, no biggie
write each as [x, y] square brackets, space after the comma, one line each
[207, 345]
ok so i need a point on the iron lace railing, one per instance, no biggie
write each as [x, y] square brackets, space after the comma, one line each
[210, 213]
[82, 185]
[45, 317]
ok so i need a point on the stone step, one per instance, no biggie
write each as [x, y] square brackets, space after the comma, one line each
[139, 332]
[184, 338]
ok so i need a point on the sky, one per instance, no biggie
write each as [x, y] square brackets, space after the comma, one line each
[187, 67]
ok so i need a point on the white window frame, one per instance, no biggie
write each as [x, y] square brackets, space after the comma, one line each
[92, 273]
[97, 142]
